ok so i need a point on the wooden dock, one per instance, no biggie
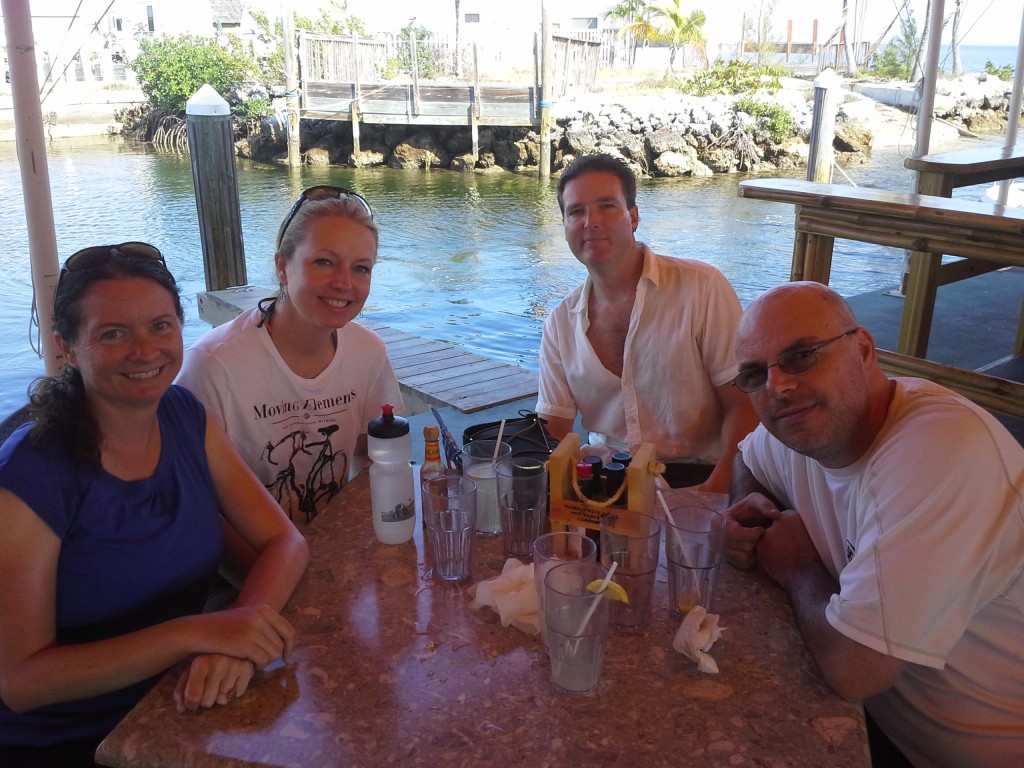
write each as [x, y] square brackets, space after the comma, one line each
[429, 372]
[443, 374]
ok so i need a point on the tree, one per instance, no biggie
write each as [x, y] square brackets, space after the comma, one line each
[918, 70]
[898, 57]
[954, 42]
[171, 69]
[629, 14]
[666, 22]
[760, 29]
[336, 21]
[851, 61]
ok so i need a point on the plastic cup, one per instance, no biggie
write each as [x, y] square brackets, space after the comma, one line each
[478, 464]
[550, 549]
[577, 621]
[633, 540]
[523, 503]
[449, 516]
[694, 549]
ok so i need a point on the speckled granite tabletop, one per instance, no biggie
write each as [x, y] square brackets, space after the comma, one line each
[394, 668]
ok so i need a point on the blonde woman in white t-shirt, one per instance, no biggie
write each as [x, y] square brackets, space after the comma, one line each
[295, 381]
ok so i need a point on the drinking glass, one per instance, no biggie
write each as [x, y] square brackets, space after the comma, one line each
[478, 462]
[694, 549]
[577, 621]
[523, 503]
[633, 540]
[449, 517]
[549, 550]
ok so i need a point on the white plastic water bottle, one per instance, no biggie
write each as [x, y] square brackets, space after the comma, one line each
[391, 490]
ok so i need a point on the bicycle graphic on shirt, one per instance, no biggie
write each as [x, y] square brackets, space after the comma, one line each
[322, 482]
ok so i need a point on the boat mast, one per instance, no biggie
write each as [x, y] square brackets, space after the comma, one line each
[35, 173]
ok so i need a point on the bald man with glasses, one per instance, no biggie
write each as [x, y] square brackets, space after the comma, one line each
[890, 511]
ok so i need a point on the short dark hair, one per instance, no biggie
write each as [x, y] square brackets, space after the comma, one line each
[599, 163]
[58, 403]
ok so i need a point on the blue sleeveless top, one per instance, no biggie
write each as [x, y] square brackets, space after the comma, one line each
[132, 554]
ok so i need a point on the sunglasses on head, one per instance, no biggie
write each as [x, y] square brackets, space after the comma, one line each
[322, 192]
[99, 255]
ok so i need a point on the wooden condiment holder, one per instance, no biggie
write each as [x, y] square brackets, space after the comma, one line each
[566, 510]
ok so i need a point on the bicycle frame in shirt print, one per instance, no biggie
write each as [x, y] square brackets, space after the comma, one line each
[323, 481]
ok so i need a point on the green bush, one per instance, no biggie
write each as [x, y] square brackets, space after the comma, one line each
[737, 76]
[171, 69]
[1004, 72]
[774, 119]
[253, 109]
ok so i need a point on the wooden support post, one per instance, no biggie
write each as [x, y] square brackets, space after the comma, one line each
[547, 97]
[292, 87]
[474, 115]
[354, 108]
[415, 75]
[212, 151]
[823, 127]
[355, 104]
[789, 39]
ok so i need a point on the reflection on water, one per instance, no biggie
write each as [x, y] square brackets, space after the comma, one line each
[474, 259]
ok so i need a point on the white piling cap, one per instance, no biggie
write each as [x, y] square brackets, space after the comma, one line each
[827, 79]
[206, 101]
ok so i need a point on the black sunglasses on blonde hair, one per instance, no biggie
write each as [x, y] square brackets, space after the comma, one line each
[100, 255]
[321, 192]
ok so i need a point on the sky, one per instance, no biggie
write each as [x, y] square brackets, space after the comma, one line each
[985, 22]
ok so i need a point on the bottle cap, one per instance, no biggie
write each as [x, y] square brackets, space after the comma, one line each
[584, 469]
[387, 425]
[593, 461]
[622, 457]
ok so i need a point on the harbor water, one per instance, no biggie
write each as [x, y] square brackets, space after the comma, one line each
[474, 259]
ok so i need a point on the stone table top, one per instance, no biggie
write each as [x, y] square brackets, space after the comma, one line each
[394, 668]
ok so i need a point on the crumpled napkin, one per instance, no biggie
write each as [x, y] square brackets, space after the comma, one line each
[696, 635]
[512, 595]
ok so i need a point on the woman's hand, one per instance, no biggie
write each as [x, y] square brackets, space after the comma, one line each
[212, 679]
[256, 633]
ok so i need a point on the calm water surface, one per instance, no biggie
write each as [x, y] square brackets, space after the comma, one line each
[478, 260]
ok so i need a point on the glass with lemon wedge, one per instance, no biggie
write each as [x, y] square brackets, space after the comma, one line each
[576, 601]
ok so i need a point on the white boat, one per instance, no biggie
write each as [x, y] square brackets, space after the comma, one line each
[1014, 197]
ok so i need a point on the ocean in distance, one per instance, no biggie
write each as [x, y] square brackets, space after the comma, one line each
[477, 260]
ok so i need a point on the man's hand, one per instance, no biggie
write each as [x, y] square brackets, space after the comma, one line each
[747, 521]
[785, 551]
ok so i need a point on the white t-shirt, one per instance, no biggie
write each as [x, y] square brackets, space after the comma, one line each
[679, 347]
[298, 435]
[925, 534]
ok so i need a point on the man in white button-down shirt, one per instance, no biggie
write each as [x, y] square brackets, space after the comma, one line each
[643, 350]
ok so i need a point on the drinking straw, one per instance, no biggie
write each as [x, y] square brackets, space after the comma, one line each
[497, 443]
[668, 519]
[593, 605]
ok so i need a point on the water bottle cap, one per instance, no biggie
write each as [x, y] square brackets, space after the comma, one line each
[584, 469]
[387, 425]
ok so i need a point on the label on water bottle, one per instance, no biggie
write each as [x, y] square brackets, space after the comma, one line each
[399, 513]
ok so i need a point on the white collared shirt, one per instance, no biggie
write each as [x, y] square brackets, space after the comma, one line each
[679, 347]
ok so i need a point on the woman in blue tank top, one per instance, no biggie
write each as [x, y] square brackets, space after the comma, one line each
[111, 503]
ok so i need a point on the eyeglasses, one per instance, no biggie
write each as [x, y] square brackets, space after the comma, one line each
[98, 255]
[321, 193]
[795, 361]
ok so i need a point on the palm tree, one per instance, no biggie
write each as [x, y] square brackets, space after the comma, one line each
[628, 13]
[667, 22]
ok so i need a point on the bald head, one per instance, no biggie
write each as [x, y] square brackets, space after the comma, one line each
[800, 299]
[811, 372]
